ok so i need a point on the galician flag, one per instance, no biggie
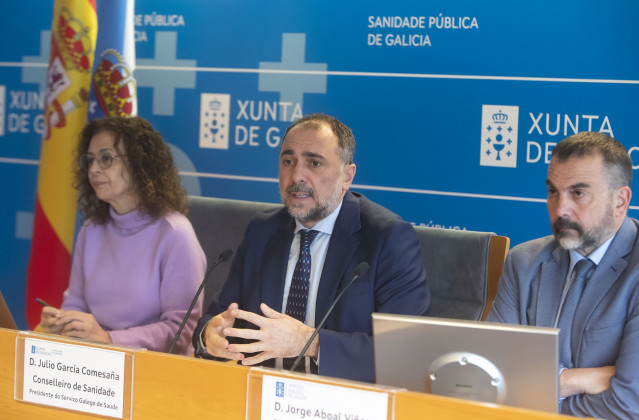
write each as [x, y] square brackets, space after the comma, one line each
[113, 91]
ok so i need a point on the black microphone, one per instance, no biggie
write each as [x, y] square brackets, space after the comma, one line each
[360, 270]
[225, 255]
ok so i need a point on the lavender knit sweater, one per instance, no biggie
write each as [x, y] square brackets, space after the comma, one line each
[137, 276]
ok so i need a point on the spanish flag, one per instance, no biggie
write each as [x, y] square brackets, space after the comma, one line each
[73, 39]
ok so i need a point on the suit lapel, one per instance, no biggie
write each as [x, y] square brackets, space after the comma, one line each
[610, 268]
[551, 284]
[275, 262]
[344, 241]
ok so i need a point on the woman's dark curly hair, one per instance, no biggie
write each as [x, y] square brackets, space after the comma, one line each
[154, 177]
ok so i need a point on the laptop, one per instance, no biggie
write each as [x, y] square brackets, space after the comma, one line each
[497, 363]
[6, 319]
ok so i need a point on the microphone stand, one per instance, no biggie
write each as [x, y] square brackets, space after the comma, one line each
[223, 257]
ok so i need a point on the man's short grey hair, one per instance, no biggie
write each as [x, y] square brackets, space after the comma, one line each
[616, 160]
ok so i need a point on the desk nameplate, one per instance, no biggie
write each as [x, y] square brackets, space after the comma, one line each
[280, 395]
[74, 375]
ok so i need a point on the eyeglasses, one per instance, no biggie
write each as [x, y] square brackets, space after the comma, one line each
[105, 159]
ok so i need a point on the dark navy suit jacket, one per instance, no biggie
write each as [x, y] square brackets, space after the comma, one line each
[605, 328]
[364, 231]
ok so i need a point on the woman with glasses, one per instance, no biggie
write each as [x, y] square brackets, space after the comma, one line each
[137, 262]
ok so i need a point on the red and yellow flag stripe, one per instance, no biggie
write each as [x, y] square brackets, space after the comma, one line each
[73, 39]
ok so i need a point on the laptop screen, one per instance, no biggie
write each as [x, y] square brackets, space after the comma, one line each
[6, 319]
[497, 363]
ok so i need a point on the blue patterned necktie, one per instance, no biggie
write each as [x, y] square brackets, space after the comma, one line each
[298, 292]
[582, 271]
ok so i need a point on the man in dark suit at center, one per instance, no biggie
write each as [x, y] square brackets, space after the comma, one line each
[293, 262]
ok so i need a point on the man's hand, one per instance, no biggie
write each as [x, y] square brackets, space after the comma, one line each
[585, 380]
[279, 335]
[78, 325]
[215, 337]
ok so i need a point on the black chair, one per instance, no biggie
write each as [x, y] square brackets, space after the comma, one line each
[463, 270]
[219, 225]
